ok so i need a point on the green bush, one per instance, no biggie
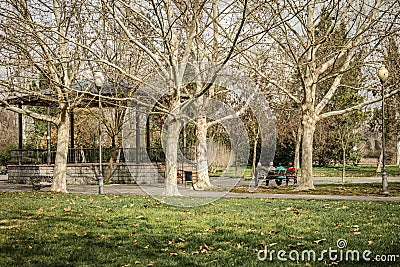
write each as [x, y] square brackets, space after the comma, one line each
[5, 153]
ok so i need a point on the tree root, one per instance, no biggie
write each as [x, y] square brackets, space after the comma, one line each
[304, 188]
[201, 185]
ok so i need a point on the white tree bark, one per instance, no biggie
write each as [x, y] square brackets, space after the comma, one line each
[202, 162]
[297, 149]
[344, 164]
[306, 180]
[398, 152]
[170, 143]
[60, 166]
[380, 161]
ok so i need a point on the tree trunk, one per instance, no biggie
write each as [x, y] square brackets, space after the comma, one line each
[60, 165]
[306, 181]
[113, 152]
[171, 139]
[398, 152]
[297, 149]
[203, 180]
[253, 167]
[344, 164]
[380, 161]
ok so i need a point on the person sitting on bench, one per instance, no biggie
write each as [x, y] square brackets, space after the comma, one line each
[291, 173]
[259, 169]
[280, 174]
[271, 172]
[290, 167]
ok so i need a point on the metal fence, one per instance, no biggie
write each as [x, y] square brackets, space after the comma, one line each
[88, 155]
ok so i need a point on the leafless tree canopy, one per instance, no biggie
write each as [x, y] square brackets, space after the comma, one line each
[297, 51]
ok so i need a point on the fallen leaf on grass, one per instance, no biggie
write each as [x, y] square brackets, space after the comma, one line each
[67, 209]
[273, 232]
[39, 211]
[204, 249]
[150, 264]
[338, 225]
[319, 241]
[296, 236]
[293, 209]
[370, 242]
[173, 254]
[9, 227]
[102, 237]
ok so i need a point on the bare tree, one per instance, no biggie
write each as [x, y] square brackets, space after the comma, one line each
[170, 35]
[40, 44]
[300, 37]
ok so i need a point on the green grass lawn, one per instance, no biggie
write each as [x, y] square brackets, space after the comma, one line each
[47, 229]
[365, 189]
[332, 171]
[355, 171]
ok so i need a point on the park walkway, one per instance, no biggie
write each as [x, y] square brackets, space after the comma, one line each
[137, 190]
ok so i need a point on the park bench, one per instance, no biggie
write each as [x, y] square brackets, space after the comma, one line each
[41, 181]
[278, 175]
[291, 174]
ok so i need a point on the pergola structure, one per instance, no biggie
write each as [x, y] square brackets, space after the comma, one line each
[91, 98]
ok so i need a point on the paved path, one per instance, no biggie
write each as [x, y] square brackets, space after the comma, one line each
[136, 190]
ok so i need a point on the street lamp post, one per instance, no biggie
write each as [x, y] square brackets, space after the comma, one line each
[99, 82]
[383, 74]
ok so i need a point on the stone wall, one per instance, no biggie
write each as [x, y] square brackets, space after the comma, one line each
[83, 174]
